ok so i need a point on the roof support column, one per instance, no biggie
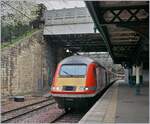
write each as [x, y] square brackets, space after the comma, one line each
[139, 79]
[133, 77]
[137, 75]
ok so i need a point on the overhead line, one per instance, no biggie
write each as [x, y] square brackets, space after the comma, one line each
[16, 9]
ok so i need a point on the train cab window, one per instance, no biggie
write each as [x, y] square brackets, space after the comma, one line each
[73, 70]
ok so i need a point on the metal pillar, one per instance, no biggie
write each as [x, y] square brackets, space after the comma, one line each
[137, 75]
[133, 77]
[137, 80]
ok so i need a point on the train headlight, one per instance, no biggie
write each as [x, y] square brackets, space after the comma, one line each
[83, 88]
[53, 88]
[86, 88]
[57, 88]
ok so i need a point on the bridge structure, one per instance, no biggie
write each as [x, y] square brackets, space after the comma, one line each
[73, 29]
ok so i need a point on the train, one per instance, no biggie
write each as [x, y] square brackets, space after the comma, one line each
[78, 80]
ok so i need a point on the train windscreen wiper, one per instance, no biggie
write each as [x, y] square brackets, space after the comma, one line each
[68, 74]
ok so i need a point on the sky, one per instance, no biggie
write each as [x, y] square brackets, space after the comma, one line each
[59, 4]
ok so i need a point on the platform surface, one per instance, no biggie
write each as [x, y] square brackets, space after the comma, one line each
[120, 104]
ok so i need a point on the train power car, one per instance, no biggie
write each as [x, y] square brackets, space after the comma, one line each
[77, 81]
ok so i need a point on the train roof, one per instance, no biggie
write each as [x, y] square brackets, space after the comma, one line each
[77, 59]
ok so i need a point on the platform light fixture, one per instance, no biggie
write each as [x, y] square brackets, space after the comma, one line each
[67, 50]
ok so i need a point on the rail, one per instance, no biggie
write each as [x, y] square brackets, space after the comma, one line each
[21, 111]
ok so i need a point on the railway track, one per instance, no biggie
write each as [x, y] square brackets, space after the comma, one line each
[70, 117]
[10, 115]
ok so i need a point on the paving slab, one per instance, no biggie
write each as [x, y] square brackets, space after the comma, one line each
[132, 108]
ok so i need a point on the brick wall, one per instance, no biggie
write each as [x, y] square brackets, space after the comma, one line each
[27, 66]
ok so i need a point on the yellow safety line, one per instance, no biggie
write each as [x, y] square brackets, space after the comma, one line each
[111, 110]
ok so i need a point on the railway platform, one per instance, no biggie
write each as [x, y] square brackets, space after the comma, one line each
[120, 104]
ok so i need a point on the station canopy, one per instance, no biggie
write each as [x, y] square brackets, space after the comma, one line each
[124, 27]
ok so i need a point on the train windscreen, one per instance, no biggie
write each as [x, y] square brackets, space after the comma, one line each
[73, 70]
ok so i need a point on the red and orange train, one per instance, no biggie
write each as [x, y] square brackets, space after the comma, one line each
[78, 80]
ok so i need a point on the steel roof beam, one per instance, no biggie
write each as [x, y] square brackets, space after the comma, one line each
[94, 14]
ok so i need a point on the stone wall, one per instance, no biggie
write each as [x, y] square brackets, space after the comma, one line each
[27, 66]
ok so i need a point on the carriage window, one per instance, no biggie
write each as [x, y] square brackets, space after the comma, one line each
[73, 70]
